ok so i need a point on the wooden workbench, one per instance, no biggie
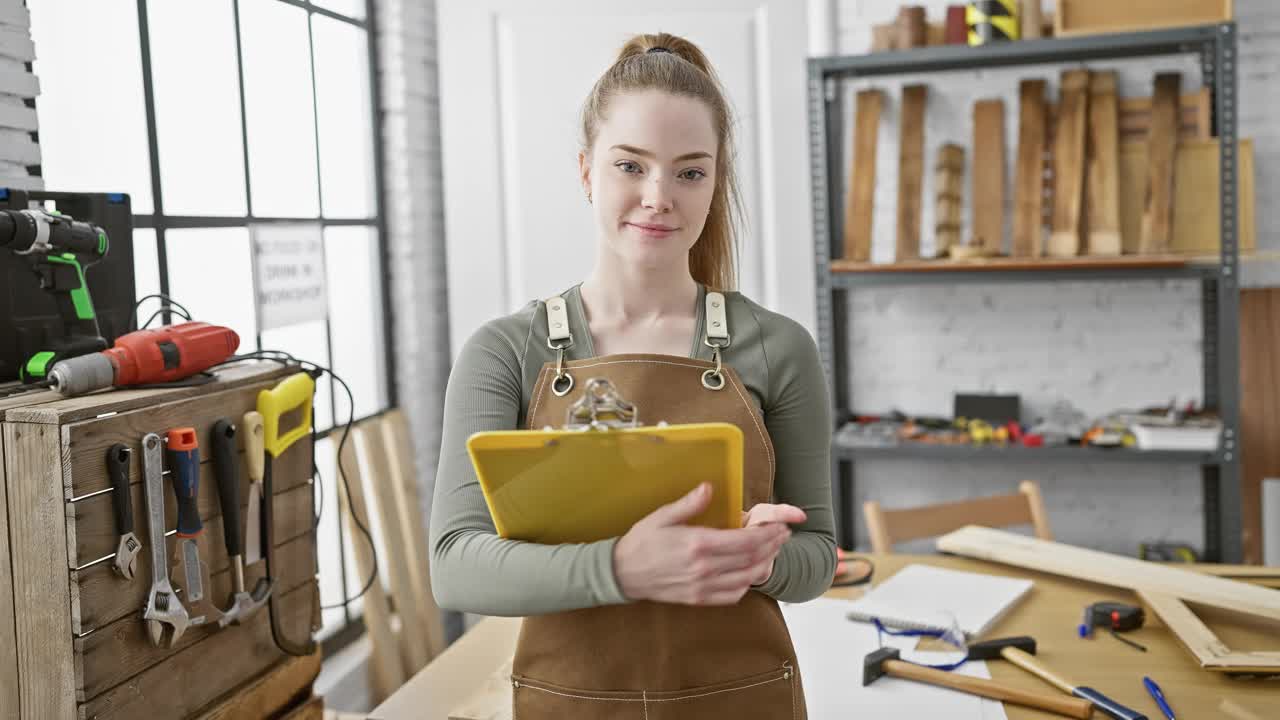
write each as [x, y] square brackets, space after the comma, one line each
[1050, 613]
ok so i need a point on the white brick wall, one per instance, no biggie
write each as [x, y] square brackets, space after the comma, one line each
[18, 89]
[1101, 345]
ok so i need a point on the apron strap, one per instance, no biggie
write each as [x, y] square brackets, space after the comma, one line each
[717, 337]
[559, 338]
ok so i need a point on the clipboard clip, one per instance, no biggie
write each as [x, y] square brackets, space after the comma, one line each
[601, 408]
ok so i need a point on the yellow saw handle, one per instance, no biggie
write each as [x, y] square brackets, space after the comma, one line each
[295, 391]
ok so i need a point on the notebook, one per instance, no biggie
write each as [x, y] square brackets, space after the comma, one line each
[923, 597]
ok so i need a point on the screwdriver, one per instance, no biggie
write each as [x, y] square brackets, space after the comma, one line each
[184, 472]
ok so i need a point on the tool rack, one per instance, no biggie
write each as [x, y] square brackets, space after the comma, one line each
[1220, 298]
[73, 643]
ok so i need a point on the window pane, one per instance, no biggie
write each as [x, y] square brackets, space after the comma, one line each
[355, 316]
[93, 129]
[197, 96]
[279, 109]
[146, 271]
[345, 118]
[327, 548]
[307, 341]
[211, 273]
[350, 8]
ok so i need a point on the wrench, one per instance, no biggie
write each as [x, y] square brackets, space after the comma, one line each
[163, 607]
[126, 559]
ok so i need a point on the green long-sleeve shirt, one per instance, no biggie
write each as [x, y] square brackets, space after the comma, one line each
[474, 570]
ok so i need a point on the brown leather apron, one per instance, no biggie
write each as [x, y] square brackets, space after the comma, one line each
[658, 661]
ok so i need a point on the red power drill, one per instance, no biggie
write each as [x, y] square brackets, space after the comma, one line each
[143, 357]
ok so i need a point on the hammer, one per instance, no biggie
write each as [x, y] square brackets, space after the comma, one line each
[885, 662]
[1021, 655]
[243, 604]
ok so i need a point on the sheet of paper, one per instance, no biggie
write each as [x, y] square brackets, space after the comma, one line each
[830, 650]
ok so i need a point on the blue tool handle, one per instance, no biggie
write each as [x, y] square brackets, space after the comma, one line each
[1107, 705]
[184, 472]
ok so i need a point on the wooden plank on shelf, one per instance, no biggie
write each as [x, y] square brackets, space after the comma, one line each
[1104, 166]
[1089, 17]
[1068, 165]
[910, 170]
[41, 594]
[1032, 20]
[1016, 264]
[948, 188]
[988, 176]
[1193, 116]
[8, 633]
[1157, 216]
[1028, 187]
[1059, 558]
[93, 405]
[388, 669]
[395, 563]
[192, 680]
[403, 468]
[1259, 411]
[860, 202]
[281, 687]
[1197, 227]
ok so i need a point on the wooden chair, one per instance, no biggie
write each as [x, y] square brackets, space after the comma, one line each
[888, 527]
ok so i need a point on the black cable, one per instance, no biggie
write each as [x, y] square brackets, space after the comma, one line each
[286, 358]
[168, 303]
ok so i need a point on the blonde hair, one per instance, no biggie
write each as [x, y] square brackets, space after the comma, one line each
[681, 70]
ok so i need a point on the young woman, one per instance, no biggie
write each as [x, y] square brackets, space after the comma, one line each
[669, 620]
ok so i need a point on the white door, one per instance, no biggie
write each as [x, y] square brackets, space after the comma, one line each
[513, 75]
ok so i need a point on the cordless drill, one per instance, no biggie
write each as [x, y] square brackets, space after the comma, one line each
[58, 249]
[145, 357]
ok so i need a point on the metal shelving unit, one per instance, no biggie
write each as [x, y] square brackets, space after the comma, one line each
[1216, 47]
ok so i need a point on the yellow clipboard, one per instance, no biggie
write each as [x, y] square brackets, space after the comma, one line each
[598, 476]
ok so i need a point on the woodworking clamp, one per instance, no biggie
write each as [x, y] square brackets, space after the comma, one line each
[126, 559]
[163, 607]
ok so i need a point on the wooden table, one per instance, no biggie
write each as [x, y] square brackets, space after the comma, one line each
[1050, 613]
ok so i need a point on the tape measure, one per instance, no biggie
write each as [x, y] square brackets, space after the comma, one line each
[991, 21]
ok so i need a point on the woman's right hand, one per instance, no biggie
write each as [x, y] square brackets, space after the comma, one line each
[664, 560]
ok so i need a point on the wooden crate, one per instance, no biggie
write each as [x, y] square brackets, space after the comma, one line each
[80, 644]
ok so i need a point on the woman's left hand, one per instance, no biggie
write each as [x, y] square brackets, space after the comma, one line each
[768, 514]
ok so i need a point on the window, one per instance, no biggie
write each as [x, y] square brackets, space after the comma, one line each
[221, 119]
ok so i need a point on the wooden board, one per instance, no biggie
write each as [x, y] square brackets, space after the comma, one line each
[400, 448]
[394, 564]
[388, 668]
[492, 701]
[1202, 643]
[312, 709]
[120, 650]
[37, 529]
[1028, 187]
[1196, 225]
[194, 679]
[860, 202]
[987, 192]
[1084, 264]
[910, 170]
[1158, 213]
[1194, 112]
[282, 687]
[1068, 165]
[103, 597]
[8, 636]
[92, 438]
[1259, 411]
[948, 188]
[1115, 570]
[92, 527]
[1031, 23]
[93, 405]
[1104, 166]
[1087, 17]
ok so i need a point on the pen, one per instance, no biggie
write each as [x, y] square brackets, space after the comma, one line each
[1154, 689]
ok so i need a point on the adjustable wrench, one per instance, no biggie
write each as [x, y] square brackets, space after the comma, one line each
[163, 607]
[126, 559]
